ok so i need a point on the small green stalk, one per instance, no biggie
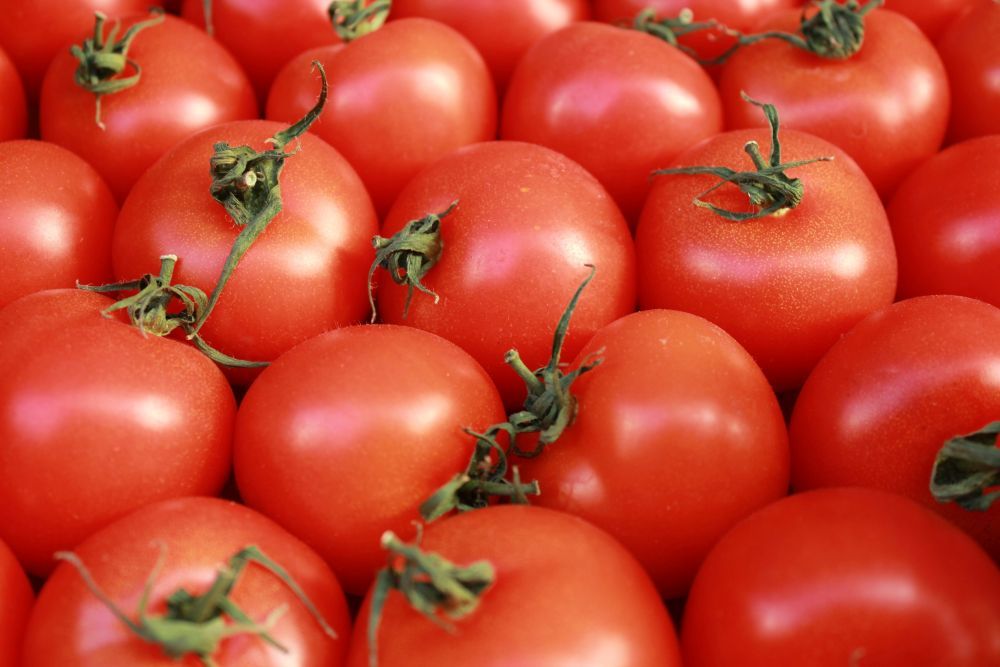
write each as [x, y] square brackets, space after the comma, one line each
[352, 19]
[836, 31]
[967, 467]
[671, 29]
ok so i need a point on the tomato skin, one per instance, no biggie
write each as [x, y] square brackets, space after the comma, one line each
[189, 82]
[70, 627]
[786, 287]
[887, 106]
[597, 94]
[344, 436]
[280, 294]
[14, 112]
[844, 576]
[970, 50]
[15, 606]
[931, 17]
[594, 607]
[72, 214]
[400, 98]
[881, 403]
[947, 201]
[524, 23]
[527, 222]
[88, 432]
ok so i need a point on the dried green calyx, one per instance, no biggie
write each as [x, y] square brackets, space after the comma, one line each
[836, 31]
[352, 19]
[967, 468]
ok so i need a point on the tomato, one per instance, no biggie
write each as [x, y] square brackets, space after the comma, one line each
[676, 406]
[619, 102]
[886, 106]
[785, 286]
[593, 607]
[97, 419]
[843, 577]
[265, 34]
[527, 221]
[71, 214]
[946, 224]
[188, 82]
[344, 436]
[15, 606]
[14, 112]
[970, 50]
[932, 17]
[881, 403]
[524, 23]
[400, 98]
[195, 537]
[303, 276]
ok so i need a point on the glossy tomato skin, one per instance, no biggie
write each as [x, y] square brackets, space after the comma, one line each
[881, 403]
[676, 406]
[844, 576]
[56, 217]
[887, 106]
[594, 607]
[98, 420]
[527, 221]
[787, 286]
[400, 98]
[344, 436]
[304, 275]
[946, 224]
[932, 17]
[970, 50]
[619, 102]
[188, 82]
[524, 23]
[14, 112]
[199, 535]
[15, 606]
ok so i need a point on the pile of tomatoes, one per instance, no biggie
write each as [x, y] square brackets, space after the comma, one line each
[276, 278]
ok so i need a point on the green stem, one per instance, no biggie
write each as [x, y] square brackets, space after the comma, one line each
[671, 29]
[836, 31]
[967, 467]
[352, 18]
[206, 10]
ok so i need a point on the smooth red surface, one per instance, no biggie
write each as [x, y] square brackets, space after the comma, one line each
[840, 577]
[932, 17]
[15, 605]
[970, 50]
[69, 626]
[14, 112]
[56, 217]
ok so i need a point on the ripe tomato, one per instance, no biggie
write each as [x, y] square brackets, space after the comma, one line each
[400, 98]
[15, 606]
[676, 406]
[785, 286]
[594, 607]
[524, 23]
[196, 536]
[14, 111]
[886, 106]
[97, 419]
[881, 403]
[619, 102]
[56, 217]
[931, 17]
[344, 436]
[181, 91]
[843, 577]
[527, 221]
[970, 50]
[946, 224]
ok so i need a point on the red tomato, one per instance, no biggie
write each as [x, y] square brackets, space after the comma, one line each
[303, 276]
[197, 536]
[527, 221]
[524, 23]
[15, 606]
[785, 286]
[970, 50]
[181, 91]
[844, 577]
[881, 403]
[946, 224]
[676, 406]
[619, 102]
[14, 111]
[932, 17]
[400, 98]
[886, 106]
[344, 436]
[97, 419]
[71, 214]
[593, 607]
[265, 34]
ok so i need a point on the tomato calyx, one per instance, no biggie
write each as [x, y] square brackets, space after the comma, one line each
[770, 189]
[434, 586]
[352, 19]
[671, 29]
[966, 467]
[197, 624]
[102, 58]
[408, 255]
[836, 31]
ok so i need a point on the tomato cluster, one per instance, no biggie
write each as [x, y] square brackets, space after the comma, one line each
[605, 333]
